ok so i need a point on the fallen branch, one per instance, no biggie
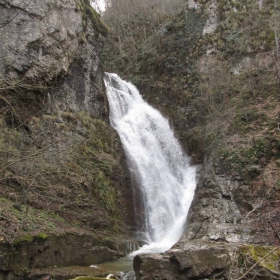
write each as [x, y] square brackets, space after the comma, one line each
[255, 208]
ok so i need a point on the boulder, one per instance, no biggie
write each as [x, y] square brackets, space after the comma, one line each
[193, 261]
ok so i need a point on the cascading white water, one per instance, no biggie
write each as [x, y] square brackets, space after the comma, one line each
[164, 175]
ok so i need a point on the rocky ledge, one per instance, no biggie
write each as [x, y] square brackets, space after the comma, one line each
[194, 260]
[209, 260]
[53, 251]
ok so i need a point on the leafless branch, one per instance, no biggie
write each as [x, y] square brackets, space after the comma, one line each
[253, 266]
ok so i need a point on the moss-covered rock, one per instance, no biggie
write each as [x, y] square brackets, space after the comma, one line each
[267, 257]
[89, 13]
[23, 238]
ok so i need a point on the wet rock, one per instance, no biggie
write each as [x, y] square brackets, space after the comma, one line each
[57, 251]
[102, 254]
[218, 210]
[195, 260]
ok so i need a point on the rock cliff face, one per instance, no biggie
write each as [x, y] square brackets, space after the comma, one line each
[64, 192]
[229, 205]
[45, 41]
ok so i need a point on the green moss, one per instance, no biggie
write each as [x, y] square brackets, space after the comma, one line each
[270, 262]
[33, 220]
[23, 238]
[90, 14]
[98, 154]
[42, 236]
[248, 159]
[95, 18]
[29, 238]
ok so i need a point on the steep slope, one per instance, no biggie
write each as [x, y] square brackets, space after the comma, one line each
[239, 80]
[213, 69]
[64, 190]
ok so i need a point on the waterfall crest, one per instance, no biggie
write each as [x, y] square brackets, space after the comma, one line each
[164, 175]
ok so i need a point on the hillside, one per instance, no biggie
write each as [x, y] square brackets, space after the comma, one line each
[63, 175]
[212, 67]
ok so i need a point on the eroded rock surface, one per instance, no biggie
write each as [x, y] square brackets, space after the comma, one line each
[41, 37]
[70, 249]
[44, 41]
[237, 197]
[215, 214]
[195, 260]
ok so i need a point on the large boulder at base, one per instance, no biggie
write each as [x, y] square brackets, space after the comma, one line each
[204, 260]
[194, 261]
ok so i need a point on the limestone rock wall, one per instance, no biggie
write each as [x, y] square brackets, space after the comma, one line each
[44, 41]
[63, 170]
[41, 38]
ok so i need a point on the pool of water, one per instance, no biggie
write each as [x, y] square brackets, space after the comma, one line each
[123, 268]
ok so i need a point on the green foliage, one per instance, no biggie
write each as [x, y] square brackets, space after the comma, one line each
[90, 14]
[248, 160]
[160, 64]
[31, 220]
[244, 27]
[227, 97]
[73, 165]
[133, 51]
[95, 154]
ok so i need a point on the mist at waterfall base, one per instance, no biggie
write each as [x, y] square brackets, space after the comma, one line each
[161, 169]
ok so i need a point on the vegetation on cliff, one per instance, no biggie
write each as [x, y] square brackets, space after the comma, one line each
[61, 162]
[67, 166]
[213, 69]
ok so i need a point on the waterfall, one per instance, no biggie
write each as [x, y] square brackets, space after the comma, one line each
[163, 172]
